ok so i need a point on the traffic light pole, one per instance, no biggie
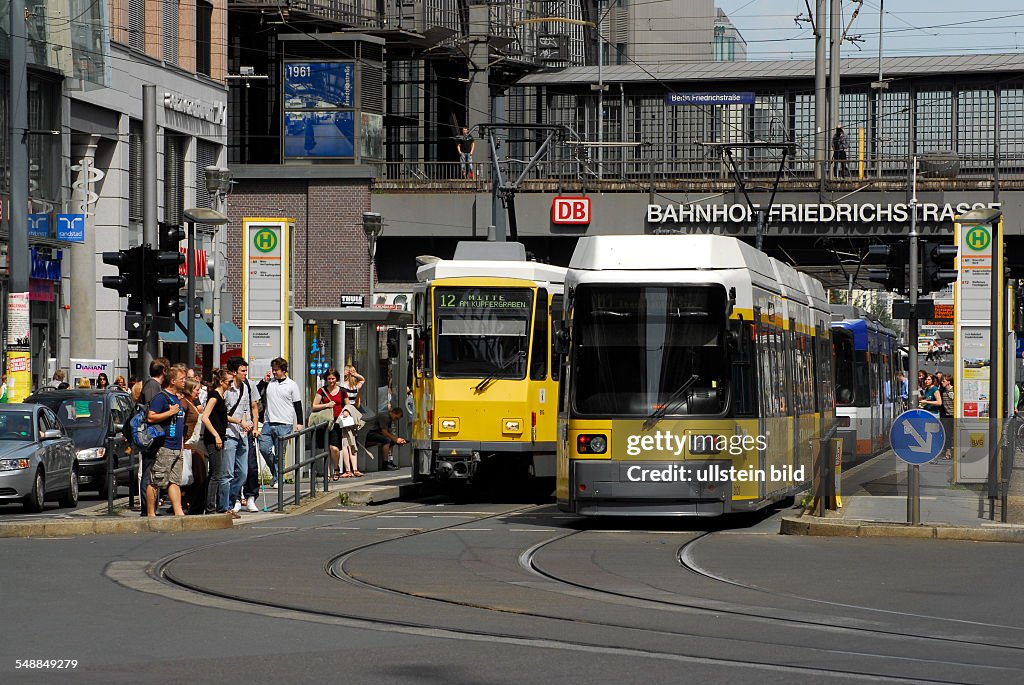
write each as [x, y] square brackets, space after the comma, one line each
[913, 470]
[148, 347]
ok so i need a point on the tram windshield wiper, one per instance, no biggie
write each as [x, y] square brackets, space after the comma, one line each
[673, 399]
[490, 378]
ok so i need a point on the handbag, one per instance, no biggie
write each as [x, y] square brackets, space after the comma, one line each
[195, 441]
[186, 467]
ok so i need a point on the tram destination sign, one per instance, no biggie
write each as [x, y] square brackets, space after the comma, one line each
[820, 213]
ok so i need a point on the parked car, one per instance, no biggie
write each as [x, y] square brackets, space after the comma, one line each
[93, 419]
[37, 458]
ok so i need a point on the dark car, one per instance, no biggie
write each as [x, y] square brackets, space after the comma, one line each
[93, 420]
[37, 458]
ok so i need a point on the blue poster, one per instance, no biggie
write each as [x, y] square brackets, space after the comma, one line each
[71, 227]
[319, 134]
[39, 225]
[318, 85]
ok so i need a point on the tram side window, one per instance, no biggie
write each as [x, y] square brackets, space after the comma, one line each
[842, 352]
[825, 368]
[744, 403]
[557, 317]
[539, 361]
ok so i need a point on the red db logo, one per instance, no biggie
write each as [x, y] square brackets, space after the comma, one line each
[570, 210]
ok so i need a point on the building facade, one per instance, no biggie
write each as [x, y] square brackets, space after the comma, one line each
[181, 48]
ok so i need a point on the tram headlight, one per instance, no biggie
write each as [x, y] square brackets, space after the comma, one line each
[591, 444]
[448, 425]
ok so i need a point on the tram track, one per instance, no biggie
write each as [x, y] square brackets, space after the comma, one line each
[336, 568]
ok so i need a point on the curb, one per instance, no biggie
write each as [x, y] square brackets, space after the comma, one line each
[114, 525]
[379, 494]
[868, 529]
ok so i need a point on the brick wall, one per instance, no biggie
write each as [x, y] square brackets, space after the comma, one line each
[329, 235]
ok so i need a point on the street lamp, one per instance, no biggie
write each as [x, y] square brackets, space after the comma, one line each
[373, 226]
[218, 185]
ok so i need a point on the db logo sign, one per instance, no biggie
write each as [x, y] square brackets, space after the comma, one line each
[570, 210]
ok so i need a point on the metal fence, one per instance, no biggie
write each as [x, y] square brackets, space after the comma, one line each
[306, 449]
[643, 173]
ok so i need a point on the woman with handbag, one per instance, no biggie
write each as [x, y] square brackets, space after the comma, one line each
[215, 419]
[194, 497]
[332, 396]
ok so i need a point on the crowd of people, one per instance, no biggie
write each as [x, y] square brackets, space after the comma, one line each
[937, 396]
[217, 432]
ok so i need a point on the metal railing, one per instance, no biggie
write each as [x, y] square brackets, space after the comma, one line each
[666, 171]
[300, 446]
[111, 475]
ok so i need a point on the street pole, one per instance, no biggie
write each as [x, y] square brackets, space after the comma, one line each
[995, 366]
[600, 89]
[17, 100]
[836, 26]
[218, 281]
[190, 306]
[913, 470]
[820, 135]
[148, 348]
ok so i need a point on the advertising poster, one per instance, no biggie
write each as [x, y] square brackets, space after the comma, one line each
[91, 368]
[19, 361]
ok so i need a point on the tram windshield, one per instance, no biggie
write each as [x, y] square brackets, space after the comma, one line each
[482, 332]
[635, 347]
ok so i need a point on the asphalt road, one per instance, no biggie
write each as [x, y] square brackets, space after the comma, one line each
[510, 593]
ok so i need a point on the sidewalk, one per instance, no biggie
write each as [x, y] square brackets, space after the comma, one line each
[874, 503]
[372, 488]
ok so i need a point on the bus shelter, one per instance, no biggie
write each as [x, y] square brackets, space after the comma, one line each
[376, 342]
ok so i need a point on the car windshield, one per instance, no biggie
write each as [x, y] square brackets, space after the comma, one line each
[75, 412]
[16, 425]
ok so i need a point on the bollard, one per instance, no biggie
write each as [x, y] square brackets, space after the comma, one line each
[109, 476]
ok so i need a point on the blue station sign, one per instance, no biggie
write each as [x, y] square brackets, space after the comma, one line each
[742, 98]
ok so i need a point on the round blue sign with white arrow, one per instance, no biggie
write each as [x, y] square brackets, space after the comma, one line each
[917, 436]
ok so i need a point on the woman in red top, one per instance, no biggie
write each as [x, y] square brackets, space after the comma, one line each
[334, 397]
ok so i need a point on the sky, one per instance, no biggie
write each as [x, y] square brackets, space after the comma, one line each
[909, 28]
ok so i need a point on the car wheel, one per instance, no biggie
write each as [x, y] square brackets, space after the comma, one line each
[35, 499]
[70, 497]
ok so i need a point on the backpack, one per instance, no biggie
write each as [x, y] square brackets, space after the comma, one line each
[139, 432]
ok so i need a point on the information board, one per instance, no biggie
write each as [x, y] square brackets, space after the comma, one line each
[265, 286]
[973, 358]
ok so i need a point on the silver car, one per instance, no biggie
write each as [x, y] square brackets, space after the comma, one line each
[37, 458]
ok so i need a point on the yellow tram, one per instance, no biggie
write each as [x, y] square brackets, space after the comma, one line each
[484, 382]
[697, 377]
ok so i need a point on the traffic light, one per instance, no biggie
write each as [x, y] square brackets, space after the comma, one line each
[894, 275]
[130, 281]
[937, 265]
[165, 283]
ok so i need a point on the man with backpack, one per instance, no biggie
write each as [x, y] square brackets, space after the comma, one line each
[167, 412]
[150, 389]
[242, 401]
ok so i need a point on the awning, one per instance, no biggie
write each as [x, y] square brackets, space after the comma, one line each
[231, 333]
[204, 334]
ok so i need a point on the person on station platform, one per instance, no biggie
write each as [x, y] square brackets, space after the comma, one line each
[466, 147]
[840, 146]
